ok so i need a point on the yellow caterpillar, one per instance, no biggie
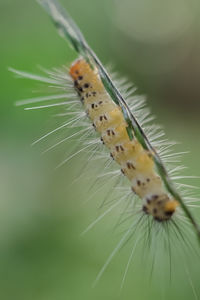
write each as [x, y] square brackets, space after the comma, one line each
[136, 163]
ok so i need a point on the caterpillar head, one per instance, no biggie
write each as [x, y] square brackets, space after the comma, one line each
[161, 207]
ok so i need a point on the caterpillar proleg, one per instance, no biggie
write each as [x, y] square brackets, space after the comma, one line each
[87, 93]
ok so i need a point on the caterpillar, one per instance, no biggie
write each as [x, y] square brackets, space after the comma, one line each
[135, 150]
[136, 163]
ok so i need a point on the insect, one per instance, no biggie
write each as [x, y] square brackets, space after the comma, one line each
[136, 151]
[136, 163]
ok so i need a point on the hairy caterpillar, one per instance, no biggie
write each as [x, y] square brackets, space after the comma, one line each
[136, 163]
[120, 132]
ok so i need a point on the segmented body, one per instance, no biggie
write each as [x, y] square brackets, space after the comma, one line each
[136, 163]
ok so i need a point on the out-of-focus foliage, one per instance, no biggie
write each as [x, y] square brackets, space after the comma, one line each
[41, 212]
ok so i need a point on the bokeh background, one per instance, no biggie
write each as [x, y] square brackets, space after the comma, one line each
[156, 44]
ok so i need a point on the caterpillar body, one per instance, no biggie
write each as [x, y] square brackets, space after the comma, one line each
[136, 163]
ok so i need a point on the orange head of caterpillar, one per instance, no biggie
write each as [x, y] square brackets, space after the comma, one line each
[161, 207]
[77, 68]
[79, 72]
[86, 81]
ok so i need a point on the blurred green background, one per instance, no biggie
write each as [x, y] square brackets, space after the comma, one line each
[156, 45]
